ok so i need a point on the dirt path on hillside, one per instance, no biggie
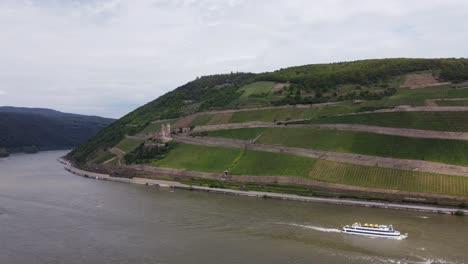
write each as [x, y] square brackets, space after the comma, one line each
[111, 159]
[117, 151]
[393, 163]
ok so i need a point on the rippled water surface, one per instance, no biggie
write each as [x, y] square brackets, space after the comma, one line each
[50, 216]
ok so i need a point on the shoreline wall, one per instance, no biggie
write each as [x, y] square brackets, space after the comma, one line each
[164, 183]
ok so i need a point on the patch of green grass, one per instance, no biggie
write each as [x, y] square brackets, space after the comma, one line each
[241, 133]
[284, 114]
[103, 156]
[453, 103]
[266, 115]
[416, 97]
[156, 126]
[256, 88]
[384, 178]
[438, 150]
[276, 164]
[115, 162]
[201, 120]
[442, 121]
[282, 188]
[237, 161]
[129, 144]
[199, 158]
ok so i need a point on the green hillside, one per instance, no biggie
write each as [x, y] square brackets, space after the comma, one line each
[336, 93]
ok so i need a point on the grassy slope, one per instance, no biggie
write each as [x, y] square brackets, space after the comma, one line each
[241, 133]
[282, 114]
[102, 157]
[217, 159]
[199, 158]
[256, 88]
[453, 103]
[129, 144]
[265, 163]
[443, 121]
[438, 150]
[201, 120]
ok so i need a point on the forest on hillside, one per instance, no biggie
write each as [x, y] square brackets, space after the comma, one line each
[30, 132]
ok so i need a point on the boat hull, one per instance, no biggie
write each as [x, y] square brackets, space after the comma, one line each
[367, 234]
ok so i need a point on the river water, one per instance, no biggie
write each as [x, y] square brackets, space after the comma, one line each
[48, 215]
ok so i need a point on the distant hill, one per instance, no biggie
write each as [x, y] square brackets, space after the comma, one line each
[33, 129]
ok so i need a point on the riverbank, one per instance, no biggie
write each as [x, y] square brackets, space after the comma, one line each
[177, 185]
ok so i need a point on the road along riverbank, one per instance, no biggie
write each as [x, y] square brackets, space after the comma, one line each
[177, 185]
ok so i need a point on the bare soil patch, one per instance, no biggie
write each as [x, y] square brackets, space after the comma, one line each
[279, 86]
[185, 121]
[220, 119]
[421, 80]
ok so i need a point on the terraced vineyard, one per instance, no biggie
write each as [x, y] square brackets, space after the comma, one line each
[275, 114]
[374, 177]
[237, 161]
[266, 163]
[335, 93]
[442, 121]
[199, 158]
[403, 96]
[201, 120]
[417, 97]
[438, 150]
[241, 133]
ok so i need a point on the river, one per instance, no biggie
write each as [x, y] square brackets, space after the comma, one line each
[48, 215]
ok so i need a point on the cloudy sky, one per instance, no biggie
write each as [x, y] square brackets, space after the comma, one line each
[109, 57]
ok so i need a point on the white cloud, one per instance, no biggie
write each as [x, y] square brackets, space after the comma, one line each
[108, 57]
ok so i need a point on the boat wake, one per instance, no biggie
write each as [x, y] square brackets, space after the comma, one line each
[316, 228]
[335, 230]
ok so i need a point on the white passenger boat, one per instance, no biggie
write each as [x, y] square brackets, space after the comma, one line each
[372, 230]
